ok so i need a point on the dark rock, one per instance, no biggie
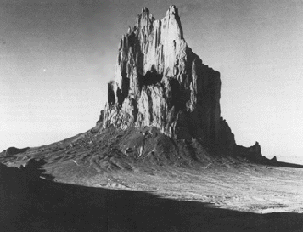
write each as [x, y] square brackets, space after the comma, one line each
[255, 150]
[14, 151]
[128, 150]
[159, 82]
[274, 159]
[252, 153]
[95, 130]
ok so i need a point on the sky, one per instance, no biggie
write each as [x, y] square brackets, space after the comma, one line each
[56, 58]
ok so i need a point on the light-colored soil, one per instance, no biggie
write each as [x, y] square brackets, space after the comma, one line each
[247, 188]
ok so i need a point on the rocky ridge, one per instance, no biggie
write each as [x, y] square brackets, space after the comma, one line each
[160, 82]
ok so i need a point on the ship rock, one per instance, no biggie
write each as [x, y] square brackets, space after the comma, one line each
[160, 82]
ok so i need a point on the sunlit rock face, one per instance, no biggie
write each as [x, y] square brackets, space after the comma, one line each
[160, 82]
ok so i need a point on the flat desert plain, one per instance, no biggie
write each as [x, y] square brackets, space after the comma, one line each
[221, 196]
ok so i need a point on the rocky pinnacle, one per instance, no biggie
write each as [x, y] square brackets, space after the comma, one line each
[159, 82]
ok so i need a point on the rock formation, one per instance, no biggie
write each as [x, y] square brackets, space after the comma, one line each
[159, 82]
[14, 151]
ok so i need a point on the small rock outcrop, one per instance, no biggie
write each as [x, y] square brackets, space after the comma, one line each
[160, 82]
[274, 159]
[252, 153]
[14, 151]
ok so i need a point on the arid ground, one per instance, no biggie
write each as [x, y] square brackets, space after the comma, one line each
[108, 187]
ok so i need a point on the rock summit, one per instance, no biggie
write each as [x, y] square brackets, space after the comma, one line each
[160, 82]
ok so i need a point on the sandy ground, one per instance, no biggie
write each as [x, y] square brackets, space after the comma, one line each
[244, 197]
[245, 188]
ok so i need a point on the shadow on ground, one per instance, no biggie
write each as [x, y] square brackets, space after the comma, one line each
[29, 203]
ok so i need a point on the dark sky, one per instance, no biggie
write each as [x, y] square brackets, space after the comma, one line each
[56, 58]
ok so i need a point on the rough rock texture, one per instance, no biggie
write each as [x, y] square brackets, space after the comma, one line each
[253, 152]
[14, 151]
[159, 82]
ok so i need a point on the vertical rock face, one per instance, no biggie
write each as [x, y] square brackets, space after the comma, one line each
[160, 82]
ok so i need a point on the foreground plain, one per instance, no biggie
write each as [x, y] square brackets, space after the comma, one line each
[105, 188]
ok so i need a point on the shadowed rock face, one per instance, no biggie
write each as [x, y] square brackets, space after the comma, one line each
[159, 82]
[14, 151]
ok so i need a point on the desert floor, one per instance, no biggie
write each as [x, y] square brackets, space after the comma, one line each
[243, 187]
[90, 182]
[227, 197]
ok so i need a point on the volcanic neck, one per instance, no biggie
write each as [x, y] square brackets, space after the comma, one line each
[159, 82]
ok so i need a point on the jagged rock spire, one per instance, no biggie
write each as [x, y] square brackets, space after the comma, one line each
[151, 45]
[160, 82]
